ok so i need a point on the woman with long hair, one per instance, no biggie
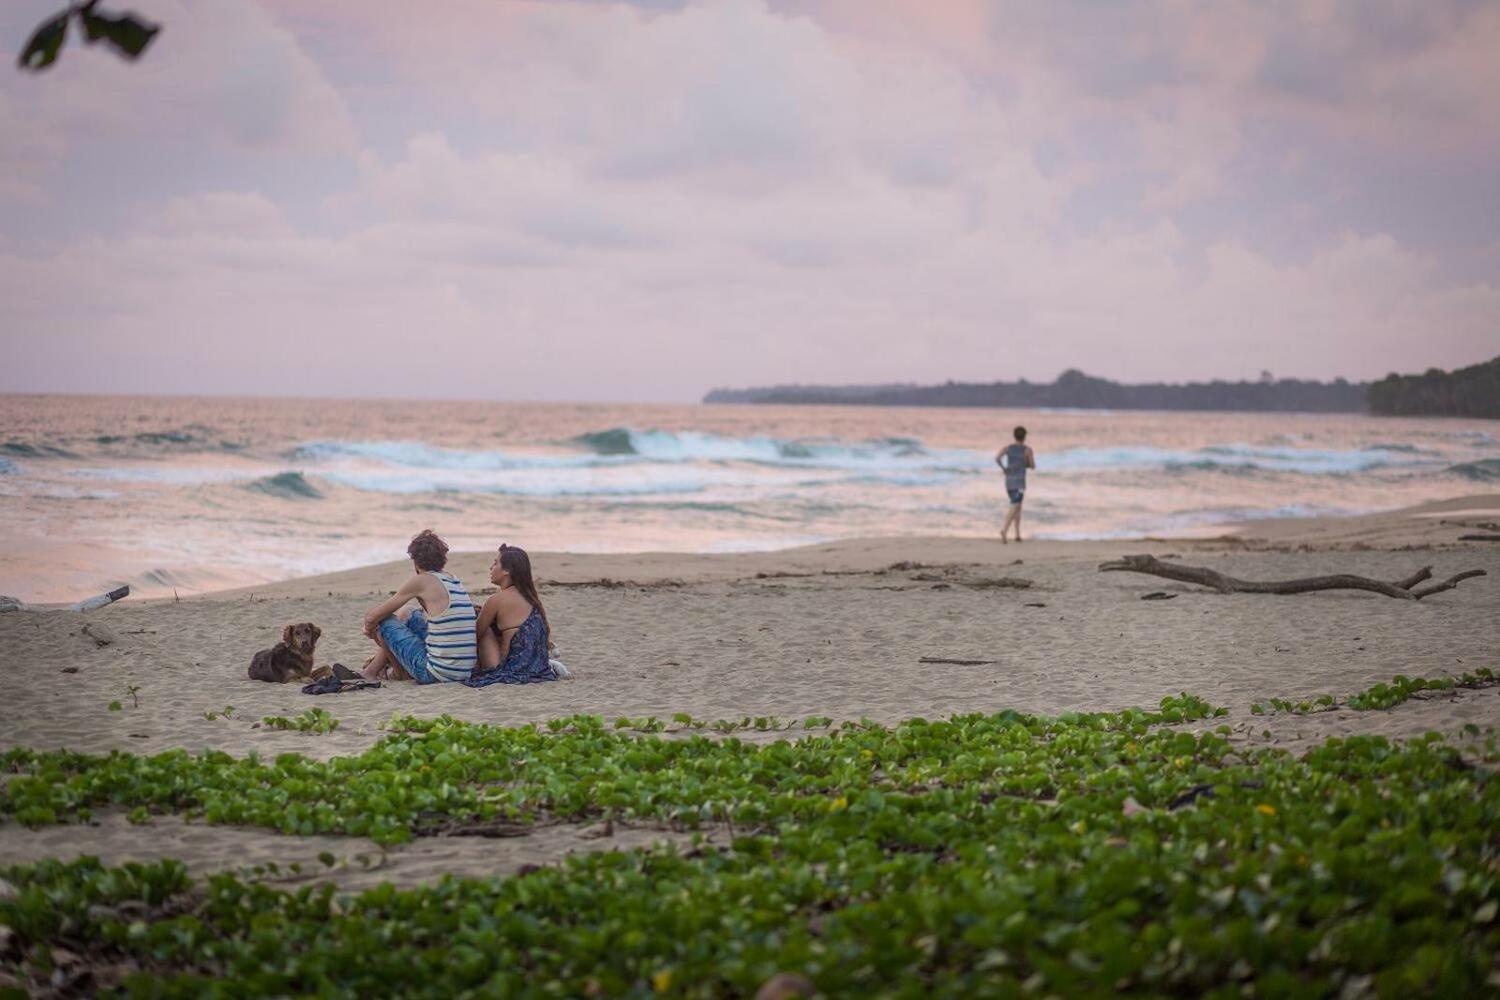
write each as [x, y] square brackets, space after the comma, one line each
[512, 627]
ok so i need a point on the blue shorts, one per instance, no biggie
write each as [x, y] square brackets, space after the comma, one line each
[1016, 496]
[407, 642]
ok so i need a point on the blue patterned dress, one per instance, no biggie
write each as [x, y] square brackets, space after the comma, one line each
[525, 661]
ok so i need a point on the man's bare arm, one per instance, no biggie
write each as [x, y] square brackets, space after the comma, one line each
[386, 608]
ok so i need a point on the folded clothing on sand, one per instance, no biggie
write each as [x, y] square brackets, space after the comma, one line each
[335, 685]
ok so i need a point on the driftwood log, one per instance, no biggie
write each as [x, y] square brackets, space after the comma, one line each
[100, 600]
[1229, 585]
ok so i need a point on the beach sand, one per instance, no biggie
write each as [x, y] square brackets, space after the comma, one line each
[839, 630]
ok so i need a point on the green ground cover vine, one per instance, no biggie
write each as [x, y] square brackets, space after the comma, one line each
[1379, 696]
[313, 720]
[979, 855]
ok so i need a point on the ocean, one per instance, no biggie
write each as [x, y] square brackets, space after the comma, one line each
[196, 494]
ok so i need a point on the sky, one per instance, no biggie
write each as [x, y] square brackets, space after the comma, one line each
[610, 201]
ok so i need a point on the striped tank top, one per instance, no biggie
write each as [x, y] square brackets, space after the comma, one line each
[451, 648]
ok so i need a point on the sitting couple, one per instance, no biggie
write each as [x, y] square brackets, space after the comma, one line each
[445, 641]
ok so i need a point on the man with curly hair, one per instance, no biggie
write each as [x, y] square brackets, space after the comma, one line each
[430, 644]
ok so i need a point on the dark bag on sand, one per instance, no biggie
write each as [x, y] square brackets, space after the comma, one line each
[333, 685]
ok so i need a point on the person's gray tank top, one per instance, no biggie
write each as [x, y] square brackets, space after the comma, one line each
[1015, 467]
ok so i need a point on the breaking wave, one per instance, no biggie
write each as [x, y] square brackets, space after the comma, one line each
[286, 486]
[22, 449]
[623, 446]
[413, 455]
[148, 438]
[693, 446]
[1484, 470]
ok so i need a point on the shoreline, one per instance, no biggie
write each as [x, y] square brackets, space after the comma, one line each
[1417, 525]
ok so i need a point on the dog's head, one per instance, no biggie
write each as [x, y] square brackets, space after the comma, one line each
[302, 637]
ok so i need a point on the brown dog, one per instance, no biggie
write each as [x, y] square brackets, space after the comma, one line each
[289, 659]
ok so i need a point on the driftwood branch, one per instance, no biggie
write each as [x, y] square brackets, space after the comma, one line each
[957, 663]
[100, 600]
[1206, 577]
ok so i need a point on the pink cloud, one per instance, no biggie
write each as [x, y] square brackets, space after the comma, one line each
[601, 201]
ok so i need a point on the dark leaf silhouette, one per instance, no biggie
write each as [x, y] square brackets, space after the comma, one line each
[126, 32]
[41, 51]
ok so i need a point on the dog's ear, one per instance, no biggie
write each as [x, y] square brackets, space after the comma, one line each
[317, 632]
[286, 635]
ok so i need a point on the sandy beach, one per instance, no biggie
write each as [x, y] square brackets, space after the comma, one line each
[840, 630]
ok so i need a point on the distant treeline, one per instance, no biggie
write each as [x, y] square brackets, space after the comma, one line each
[1464, 392]
[1074, 389]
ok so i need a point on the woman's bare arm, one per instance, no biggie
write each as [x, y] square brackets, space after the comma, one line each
[488, 615]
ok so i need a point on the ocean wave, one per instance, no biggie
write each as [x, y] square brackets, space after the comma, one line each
[686, 506]
[898, 478]
[687, 446]
[196, 438]
[622, 446]
[286, 486]
[615, 441]
[23, 449]
[695, 446]
[148, 437]
[517, 483]
[416, 455]
[1233, 458]
[164, 475]
[1198, 520]
[1483, 470]
[1214, 465]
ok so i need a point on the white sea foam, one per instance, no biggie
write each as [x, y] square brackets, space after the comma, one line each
[416, 455]
[561, 481]
[1232, 457]
[626, 447]
[167, 475]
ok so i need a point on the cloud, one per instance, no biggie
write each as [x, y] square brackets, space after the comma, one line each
[606, 201]
[220, 75]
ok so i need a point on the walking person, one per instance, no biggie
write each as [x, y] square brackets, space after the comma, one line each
[1014, 459]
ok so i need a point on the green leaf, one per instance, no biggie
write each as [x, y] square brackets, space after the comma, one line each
[45, 43]
[126, 32]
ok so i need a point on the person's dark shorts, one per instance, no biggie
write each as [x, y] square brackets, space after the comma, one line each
[1016, 496]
